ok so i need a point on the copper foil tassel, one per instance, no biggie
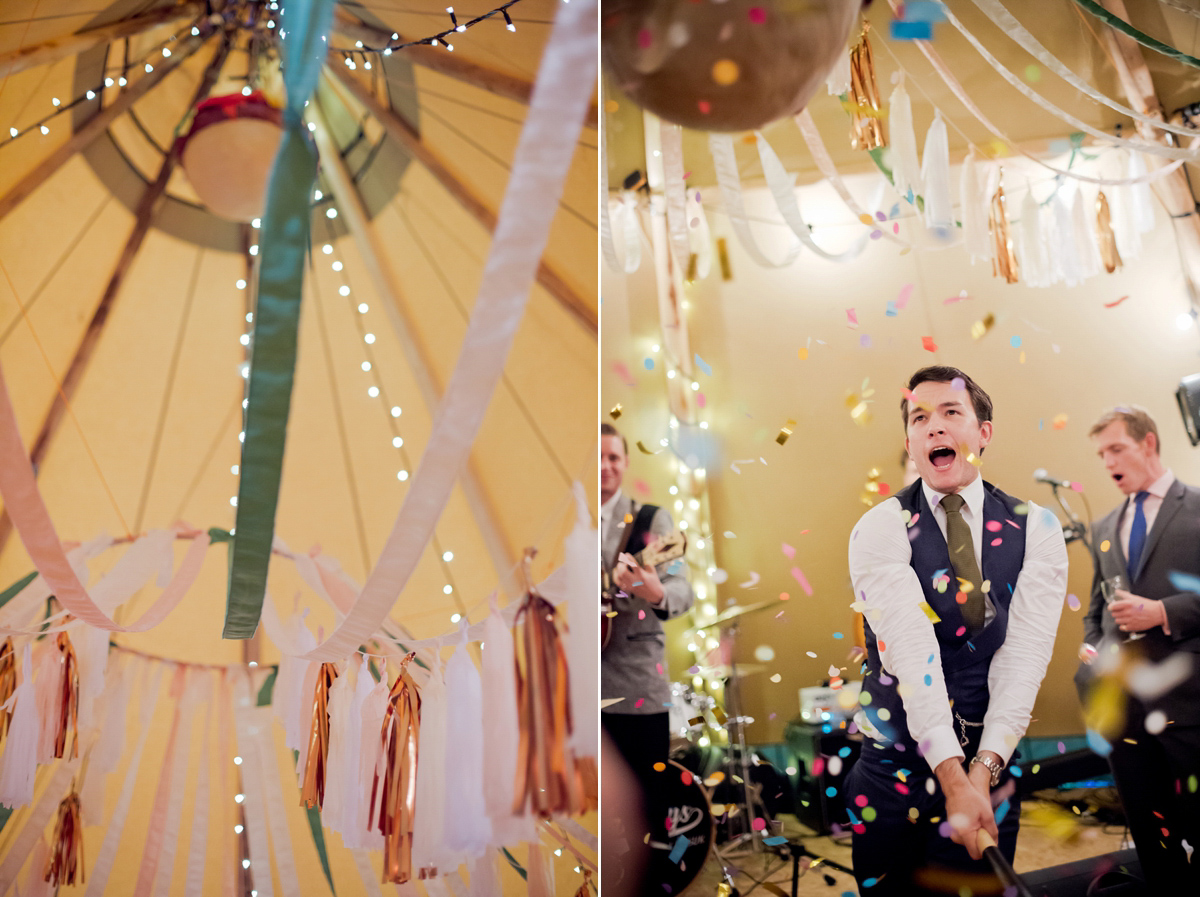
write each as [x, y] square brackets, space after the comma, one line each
[8, 681]
[398, 798]
[549, 781]
[66, 852]
[585, 889]
[313, 792]
[869, 131]
[68, 699]
[1004, 260]
[1105, 238]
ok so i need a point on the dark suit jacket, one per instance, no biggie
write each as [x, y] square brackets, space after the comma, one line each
[1173, 544]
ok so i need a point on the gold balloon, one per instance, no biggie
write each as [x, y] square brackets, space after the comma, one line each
[730, 66]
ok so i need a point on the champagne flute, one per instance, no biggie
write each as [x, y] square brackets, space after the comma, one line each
[1108, 589]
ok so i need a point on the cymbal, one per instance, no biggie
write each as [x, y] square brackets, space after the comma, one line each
[733, 613]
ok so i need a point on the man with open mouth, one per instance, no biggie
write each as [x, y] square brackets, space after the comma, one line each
[1151, 540]
[962, 586]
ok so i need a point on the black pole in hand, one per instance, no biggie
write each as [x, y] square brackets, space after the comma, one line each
[1000, 866]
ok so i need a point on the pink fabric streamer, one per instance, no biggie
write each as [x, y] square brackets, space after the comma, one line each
[254, 807]
[30, 603]
[27, 510]
[582, 639]
[198, 847]
[35, 824]
[198, 692]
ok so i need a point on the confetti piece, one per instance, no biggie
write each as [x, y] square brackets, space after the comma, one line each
[615, 413]
[751, 582]
[640, 702]
[1185, 582]
[703, 365]
[1015, 342]
[645, 451]
[705, 107]
[678, 850]
[1104, 546]
[777, 678]
[864, 341]
[715, 779]
[993, 526]
[649, 364]
[1115, 303]
[775, 841]
[623, 373]
[734, 464]
[961, 297]
[802, 354]
[730, 534]
[799, 576]
[789, 550]
[785, 431]
[980, 328]
[851, 317]
[930, 612]
[722, 248]
[1060, 422]
[1073, 602]
[901, 30]
[757, 15]
[928, 344]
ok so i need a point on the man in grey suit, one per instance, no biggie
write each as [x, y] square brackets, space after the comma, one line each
[633, 671]
[1151, 535]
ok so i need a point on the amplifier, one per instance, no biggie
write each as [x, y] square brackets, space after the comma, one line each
[820, 804]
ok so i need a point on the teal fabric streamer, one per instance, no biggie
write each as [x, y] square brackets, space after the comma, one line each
[512, 861]
[283, 245]
[12, 591]
[1141, 37]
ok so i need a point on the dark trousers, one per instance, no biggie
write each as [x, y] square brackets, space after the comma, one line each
[909, 854]
[1156, 776]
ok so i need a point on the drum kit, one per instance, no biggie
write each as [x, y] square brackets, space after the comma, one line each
[696, 768]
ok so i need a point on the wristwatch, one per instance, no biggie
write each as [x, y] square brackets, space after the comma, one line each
[991, 765]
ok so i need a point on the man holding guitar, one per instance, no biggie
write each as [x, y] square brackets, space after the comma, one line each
[634, 686]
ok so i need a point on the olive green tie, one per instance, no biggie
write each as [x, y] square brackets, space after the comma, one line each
[962, 557]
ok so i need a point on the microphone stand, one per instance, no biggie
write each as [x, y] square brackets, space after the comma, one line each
[1076, 529]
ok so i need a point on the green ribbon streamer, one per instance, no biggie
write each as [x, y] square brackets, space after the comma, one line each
[1140, 36]
[283, 245]
[11, 592]
[512, 861]
[5, 812]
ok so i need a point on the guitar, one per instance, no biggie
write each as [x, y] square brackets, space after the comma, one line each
[662, 549]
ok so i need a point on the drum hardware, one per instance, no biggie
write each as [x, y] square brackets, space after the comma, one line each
[691, 830]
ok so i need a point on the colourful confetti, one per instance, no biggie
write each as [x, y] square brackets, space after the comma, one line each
[785, 431]
[615, 413]
[799, 576]
[1060, 421]
[928, 344]
[1073, 602]
[851, 318]
[1115, 302]
[703, 365]
[980, 328]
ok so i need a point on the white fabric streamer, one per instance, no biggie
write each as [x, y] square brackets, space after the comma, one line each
[262, 731]
[632, 231]
[297, 678]
[730, 183]
[906, 169]
[973, 202]
[428, 851]
[47, 686]
[91, 653]
[1065, 255]
[107, 749]
[370, 762]
[1031, 246]
[995, 11]
[143, 560]
[1141, 195]
[783, 191]
[254, 807]
[345, 730]
[467, 831]
[199, 691]
[935, 174]
[582, 639]
[838, 80]
[99, 873]
[19, 763]
[1085, 236]
[500, 732]
[675, 192]
[607, 246]
[362, 862]
[485, 878]
[197, 848]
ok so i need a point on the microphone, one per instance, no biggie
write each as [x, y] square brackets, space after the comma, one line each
[1040, 476]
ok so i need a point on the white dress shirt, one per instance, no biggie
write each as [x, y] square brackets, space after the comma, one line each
[880, 568]
[606, 515]
[1158, 491]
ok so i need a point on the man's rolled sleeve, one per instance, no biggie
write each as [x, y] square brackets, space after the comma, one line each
[880, 568]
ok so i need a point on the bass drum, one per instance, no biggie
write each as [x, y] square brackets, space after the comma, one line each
[691, 831]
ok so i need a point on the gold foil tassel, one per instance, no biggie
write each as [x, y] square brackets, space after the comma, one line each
[585, 889]
[869, 131]
[549, 781]
[68, 698]
[66, 851]
[723, 258]
[980, 328]
[1105, 238]
[1004, 260]
[397, 799]
[615, 414]
[312, 794]
[8, 681]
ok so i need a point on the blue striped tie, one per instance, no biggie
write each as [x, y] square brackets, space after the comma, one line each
[1137, 535]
